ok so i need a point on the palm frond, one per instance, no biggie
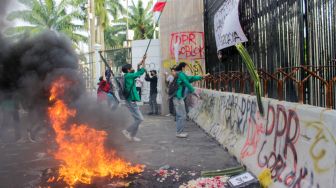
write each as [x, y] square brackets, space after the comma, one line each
[27, 3]
[254, 74]
[46, 14]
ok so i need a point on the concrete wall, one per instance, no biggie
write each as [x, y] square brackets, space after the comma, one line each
[297, 142]
[153, 62]
[182, 23]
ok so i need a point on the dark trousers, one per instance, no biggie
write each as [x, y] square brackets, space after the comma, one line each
[152, 103]
[171, 106]
[139, 91]
[187, 103]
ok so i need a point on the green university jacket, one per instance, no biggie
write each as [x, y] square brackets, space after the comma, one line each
[185, 81]
[130, 84]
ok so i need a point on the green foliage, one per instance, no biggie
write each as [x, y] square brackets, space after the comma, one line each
[56, 15]
[115, 35]
[105, 10]
[45, 15]
[141, 20]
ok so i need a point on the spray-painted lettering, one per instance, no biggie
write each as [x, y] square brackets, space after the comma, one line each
[190, 45]
[319, 150]
[284, 127]
[254, 132]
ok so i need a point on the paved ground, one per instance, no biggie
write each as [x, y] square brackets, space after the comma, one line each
[21, 164]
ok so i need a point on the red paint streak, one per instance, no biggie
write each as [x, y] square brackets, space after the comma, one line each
[254, 132]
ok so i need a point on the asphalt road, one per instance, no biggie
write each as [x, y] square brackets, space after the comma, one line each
[21, 164]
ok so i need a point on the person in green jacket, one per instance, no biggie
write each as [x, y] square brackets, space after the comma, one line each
[184, 88]
[133, 97]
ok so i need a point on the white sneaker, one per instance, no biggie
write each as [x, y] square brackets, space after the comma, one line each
[127, 135]
[182, 135]
[136, 139]
[168, 115]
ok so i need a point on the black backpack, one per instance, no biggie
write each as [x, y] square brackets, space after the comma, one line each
[172, 88]
[123, 94]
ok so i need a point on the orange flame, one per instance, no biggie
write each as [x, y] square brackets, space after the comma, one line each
[52, 179]
[81, 148]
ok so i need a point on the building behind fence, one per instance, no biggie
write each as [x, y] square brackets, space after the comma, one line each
[292, 43]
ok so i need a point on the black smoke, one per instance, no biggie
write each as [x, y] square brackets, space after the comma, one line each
[29, 67]
[3, 10]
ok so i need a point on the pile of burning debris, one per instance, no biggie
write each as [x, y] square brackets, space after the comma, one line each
[51, 179]
[80, 148]
[234, 177]
[148, 178]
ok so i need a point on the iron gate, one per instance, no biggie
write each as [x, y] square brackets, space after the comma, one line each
[292, 43]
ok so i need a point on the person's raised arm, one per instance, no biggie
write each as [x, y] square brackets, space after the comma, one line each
[147, 78]
[141, 71]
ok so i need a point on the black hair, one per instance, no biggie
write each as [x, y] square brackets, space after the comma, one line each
[101, 78]
[126, 67]
[172, 68]
[180, 66]
[154, 71]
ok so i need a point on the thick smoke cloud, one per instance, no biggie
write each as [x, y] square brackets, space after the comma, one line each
[3, 8]
[29, 66]
[27, 70]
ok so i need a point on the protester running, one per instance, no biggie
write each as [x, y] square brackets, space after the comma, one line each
[132, 97]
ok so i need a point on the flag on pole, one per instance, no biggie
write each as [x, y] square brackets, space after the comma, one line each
[158, 9]
[159, 6]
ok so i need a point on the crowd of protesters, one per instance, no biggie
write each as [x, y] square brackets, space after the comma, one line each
[179, 87]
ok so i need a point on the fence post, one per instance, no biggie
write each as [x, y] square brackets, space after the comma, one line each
[280, 90]
[301, 90]
[329, 99]
[265, 89]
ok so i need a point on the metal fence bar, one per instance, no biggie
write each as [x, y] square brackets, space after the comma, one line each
[293, 42]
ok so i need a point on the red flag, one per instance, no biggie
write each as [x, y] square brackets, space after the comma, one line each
[158, 7]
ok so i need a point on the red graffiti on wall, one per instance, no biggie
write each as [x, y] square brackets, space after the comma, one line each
[190, 45]
[282, 133]
[254, 133]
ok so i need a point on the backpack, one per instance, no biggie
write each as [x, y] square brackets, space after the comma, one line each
[121, 87]
[123, 94]
[172, 88]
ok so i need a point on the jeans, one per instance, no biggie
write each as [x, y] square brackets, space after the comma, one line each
[139, 91]
[180, 114]
[137, 115]
[152, 103]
